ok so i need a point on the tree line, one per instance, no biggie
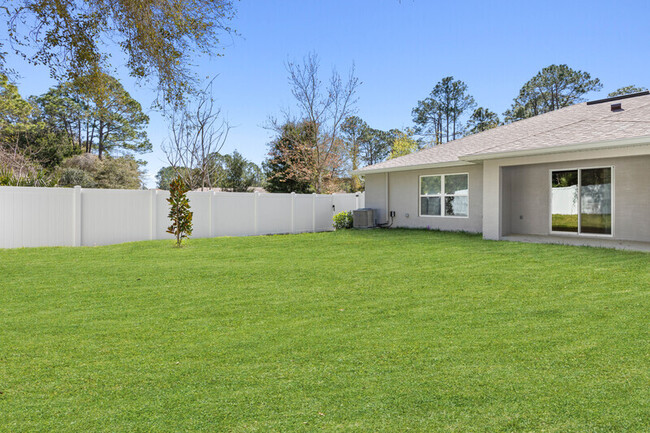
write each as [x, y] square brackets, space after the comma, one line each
[76, 134]
[72, 136]
[88, 136]
[88, 129]
[317, 150]
[228, 172]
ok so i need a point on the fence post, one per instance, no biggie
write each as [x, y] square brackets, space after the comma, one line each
[77, 216]
[153, 205]
[256, 196]
[293, 212]
[210, 225]
[356, 200]
[313, 212]
[333, 207]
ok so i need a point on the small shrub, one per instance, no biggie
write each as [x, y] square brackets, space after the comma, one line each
[115, 173]
[343, 220]
[179, 213]
[76, 176]
[38, 179]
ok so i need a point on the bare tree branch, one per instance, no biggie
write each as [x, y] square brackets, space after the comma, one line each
[198, 132]
[316, 156]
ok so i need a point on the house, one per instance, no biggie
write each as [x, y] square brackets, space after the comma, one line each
[578, 175]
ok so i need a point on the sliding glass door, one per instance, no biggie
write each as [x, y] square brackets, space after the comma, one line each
[581, 201]
[564, 201]
[596, 201]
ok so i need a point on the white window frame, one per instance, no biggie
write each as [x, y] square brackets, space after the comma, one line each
[550, 203]
[442, 196]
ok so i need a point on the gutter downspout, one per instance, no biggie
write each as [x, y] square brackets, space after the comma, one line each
[387, 198]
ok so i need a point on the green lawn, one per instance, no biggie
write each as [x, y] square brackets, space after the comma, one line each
[357, 331]
[591, 223]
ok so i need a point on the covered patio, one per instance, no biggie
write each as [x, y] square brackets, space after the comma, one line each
[599, 202]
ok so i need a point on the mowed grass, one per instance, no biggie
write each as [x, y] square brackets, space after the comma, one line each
[591, 223]
[354, 331]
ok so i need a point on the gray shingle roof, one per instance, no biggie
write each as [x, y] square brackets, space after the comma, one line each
[580, 123]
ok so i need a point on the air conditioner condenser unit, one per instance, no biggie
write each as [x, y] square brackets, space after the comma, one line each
[363, 218]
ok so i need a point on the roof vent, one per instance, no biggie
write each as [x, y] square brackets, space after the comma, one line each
[616, 107]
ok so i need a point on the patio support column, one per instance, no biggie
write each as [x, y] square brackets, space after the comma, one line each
[491, 200]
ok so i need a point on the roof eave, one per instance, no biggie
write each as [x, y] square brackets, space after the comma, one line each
[479, 157]
[595, 145]
[362, 172]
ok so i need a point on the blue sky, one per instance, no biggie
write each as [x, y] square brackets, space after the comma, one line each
[401, 49]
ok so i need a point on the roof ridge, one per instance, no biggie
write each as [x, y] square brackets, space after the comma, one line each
[500, 127]
[518, 122]
[530, 135]
[575, 123]
[619, 120]
[618, 97]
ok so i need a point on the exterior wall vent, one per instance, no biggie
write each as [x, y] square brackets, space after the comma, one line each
[363, 218]
[616, 107]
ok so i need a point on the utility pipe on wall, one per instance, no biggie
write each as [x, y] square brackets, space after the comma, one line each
[387, 198]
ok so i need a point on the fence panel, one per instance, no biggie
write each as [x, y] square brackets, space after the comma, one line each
[273, 214]
[303, 213]
[160, 220]
[346, 202]
[201, 206]
[36, 217]
[110, 216]
[31, 217]
[324, 211]
[233, 214]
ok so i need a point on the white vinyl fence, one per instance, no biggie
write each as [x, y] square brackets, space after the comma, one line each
[38, 217]
[596, 199]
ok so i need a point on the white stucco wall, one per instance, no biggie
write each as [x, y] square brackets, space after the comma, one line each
[403, 198]
[527, 196]
[499, 219]
[512, 195]
[376, 195]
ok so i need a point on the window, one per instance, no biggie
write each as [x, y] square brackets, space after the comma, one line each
[444, 195]
[430, 195]
[581, 201]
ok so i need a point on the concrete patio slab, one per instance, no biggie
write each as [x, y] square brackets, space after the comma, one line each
[581, 241]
